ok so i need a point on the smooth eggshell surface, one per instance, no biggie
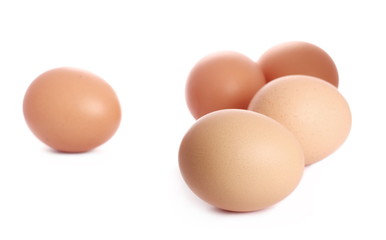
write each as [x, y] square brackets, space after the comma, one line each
[311, 108]
[239, 160]
[222, 80]
[71, 110]
[298, 58]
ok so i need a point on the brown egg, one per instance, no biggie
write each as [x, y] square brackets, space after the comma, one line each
[311, 108]
[220, 81]
[298, 58]
[71, 110]
[239, 160]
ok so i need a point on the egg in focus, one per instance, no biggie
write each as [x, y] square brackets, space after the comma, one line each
[239, 160]
[298, 58]
[71, 110]
[222, 80]
[311, 108]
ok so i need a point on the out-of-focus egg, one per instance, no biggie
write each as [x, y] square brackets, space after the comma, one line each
[311, 108]
[239, 160]
[71, 110]
[222, 80]
[298, 58]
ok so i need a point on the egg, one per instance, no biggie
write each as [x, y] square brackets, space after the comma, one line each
[222, 80]
[239, 160]
[298, 58]
[71, 110]
[311, 108]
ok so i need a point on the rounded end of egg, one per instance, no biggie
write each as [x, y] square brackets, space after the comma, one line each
[297, 57]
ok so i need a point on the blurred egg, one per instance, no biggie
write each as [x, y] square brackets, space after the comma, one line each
[71, 110]
[311, 108]
[298, 58]
[239, 160]
[222, 80]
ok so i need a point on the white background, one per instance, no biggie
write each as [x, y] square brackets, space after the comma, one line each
[130, 187]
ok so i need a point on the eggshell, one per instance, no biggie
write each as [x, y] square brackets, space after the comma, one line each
[311, 108]
[71, 110]
[298, 58]
[239, 160]
[220, 81]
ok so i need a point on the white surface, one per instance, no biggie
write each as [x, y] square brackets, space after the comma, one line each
[131, 188]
